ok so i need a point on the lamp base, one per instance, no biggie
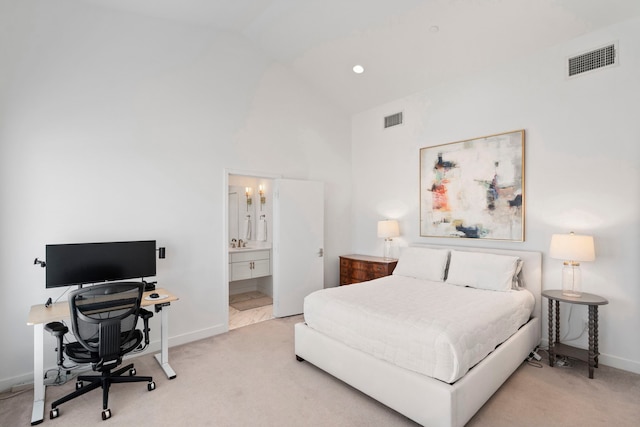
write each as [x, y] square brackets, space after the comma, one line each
[571, 280]
[387, 248]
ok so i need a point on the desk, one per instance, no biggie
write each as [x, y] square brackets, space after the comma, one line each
[555, 346]
[39, 315]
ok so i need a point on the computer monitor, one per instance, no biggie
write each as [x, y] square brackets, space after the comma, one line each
[83, 263]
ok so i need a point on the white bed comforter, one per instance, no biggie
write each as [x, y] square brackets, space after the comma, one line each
[433, 328]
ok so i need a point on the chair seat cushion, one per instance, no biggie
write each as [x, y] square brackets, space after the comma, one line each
[77, 353]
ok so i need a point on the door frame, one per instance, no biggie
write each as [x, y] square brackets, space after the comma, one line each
[225, 229]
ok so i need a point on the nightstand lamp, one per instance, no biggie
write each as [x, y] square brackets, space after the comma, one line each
[572, 248]
[388, 229]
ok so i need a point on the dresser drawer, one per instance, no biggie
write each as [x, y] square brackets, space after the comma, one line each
[362, 268]
[380, 270]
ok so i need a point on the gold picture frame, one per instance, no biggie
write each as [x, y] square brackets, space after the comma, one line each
[474, 188]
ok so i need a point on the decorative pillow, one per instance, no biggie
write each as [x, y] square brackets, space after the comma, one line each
[482, 270]
[423, 263]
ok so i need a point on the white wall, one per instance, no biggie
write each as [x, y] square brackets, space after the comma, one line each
[581, 169]
[118, 127]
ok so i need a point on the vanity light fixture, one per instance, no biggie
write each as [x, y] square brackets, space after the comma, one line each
[388, 229]
[247, 193]
[572, 248]
[263, 199]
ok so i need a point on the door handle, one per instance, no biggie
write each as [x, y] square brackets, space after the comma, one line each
[320, 252]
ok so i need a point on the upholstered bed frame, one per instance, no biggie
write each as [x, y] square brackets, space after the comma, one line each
[425, 400]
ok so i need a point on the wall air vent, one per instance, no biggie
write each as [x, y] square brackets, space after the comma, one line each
[593, 60]
[393, 120]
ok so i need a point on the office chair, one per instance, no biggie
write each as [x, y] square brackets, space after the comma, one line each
[104, 318]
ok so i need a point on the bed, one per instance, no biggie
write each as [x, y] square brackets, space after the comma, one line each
[419, 359]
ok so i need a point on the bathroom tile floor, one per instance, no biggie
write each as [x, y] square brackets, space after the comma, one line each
[249, 300]
[239, 318]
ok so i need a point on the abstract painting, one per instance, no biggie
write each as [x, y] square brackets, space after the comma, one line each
[474, 188]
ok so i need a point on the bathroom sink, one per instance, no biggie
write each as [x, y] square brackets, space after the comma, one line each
[244, 248]
[259, 246]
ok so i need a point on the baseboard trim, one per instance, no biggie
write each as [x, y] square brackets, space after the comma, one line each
[22, 381]
[195, 335]
[620, 363]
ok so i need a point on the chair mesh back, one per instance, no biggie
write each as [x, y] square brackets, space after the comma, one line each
[104, 316]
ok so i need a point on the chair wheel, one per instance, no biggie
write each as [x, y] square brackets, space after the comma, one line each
[151, 386]
[79, 385]
[106, 414]
[132, 372]
[54, 413]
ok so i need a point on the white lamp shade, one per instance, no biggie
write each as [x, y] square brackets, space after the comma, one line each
[388, 228]
[572, 247]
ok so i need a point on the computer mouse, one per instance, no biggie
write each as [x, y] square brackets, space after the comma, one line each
[154, 295]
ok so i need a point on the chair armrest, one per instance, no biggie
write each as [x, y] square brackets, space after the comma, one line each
[57, 329]
[146, 315]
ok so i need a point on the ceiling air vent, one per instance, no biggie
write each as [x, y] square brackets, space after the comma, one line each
[593, 60]
[393, 120]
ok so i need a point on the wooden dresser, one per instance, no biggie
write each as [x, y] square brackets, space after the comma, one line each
[360, 268]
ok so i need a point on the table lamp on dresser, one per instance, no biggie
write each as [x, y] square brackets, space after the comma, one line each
[388, 229]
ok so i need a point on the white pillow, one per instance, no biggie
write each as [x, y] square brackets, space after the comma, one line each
[423, 263]
[482, 270]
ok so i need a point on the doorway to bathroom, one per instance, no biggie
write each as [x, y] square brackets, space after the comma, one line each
[273, 245]
[250, 243]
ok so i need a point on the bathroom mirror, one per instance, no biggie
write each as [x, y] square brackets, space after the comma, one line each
[238, 211]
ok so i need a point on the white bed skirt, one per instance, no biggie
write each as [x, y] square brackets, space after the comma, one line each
[423, 399]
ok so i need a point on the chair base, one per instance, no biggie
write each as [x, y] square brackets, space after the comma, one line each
[104, 381]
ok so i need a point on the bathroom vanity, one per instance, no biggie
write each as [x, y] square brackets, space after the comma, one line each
[249, 263]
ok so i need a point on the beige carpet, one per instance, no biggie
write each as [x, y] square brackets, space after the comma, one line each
[249, 300]
[249, 377]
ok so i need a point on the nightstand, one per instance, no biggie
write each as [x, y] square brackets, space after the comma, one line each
[360, 268]
[555, 346]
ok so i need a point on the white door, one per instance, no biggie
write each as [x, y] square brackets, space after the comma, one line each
[298, 243]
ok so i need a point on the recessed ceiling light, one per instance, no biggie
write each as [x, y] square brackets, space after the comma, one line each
[434, 28]
[358, 69]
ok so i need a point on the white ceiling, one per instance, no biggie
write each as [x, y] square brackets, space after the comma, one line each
[395, 40]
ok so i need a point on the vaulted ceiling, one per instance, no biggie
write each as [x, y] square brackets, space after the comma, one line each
[404, 45]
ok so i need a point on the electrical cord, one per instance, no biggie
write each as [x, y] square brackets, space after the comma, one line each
[140, 348]
[566, 338]
[568, 323]
[534, 355]
[561, 361]
[534, 363]
[67, 290]
[60, 378]
[12, 395]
